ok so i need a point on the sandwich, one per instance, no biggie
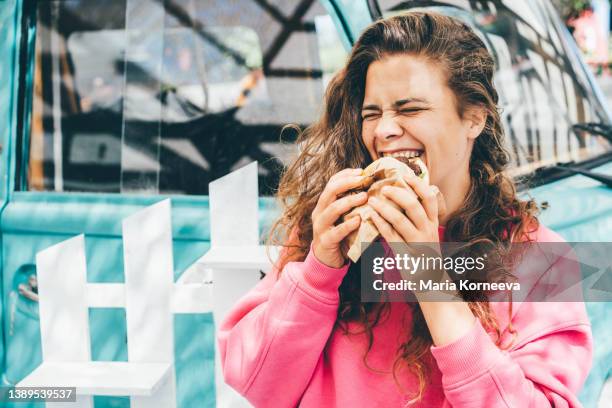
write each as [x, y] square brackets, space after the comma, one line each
[386, 171]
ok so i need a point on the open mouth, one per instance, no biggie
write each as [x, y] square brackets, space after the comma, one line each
[408, 157]
[405, 154]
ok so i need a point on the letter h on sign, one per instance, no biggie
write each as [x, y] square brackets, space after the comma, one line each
[149, 296]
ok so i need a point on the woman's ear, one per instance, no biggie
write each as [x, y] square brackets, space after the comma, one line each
[476, 118]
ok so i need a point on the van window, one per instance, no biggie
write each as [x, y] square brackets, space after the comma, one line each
[543, 89]
[134, 96]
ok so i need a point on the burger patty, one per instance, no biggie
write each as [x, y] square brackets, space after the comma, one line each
[413, 166]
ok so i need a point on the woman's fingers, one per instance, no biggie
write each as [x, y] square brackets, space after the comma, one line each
[408, 200]
[330, 215]
[427, 193]
[385, 229]
[340, 231]
[394, 217]
[340, 182]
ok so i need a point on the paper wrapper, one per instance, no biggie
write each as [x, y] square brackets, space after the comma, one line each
[386, 171]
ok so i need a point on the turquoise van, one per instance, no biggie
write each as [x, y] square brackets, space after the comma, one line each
[109, 106]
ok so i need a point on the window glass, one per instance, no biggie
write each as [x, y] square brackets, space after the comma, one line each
[543, 90]
[135, 96]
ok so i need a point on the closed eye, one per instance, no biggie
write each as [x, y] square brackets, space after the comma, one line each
[412, 110]
[370, 116]
[375, 115]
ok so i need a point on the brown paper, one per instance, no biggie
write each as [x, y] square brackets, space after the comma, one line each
[386, 171]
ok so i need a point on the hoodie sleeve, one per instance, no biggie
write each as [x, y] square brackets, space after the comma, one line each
[546, 366]
[546, 370]
[271, 341]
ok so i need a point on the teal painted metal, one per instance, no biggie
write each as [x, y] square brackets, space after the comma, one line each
[356, 15]
[580, 209]
[350, 18]
[100, 214]
[33, 221]
[10, 14]
[9, 37]
[194, 334]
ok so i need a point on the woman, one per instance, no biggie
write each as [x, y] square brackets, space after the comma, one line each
[415, 84]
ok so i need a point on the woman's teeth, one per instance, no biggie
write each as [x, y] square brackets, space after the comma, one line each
[407, 154]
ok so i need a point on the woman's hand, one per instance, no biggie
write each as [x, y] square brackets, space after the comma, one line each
[411, 219]
[327, 236]
[447, 316]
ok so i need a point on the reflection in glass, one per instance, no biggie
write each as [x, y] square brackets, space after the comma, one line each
[166, 96]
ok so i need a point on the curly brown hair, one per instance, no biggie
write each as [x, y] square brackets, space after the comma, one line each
[492, 213]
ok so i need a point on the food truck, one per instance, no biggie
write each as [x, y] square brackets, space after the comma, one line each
[110, 106]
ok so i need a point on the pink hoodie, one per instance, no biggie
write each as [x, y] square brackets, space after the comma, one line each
[280, 348]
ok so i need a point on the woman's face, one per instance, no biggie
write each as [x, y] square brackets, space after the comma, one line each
[408, 109]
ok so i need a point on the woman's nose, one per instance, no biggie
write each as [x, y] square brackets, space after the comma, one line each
[387, 127]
